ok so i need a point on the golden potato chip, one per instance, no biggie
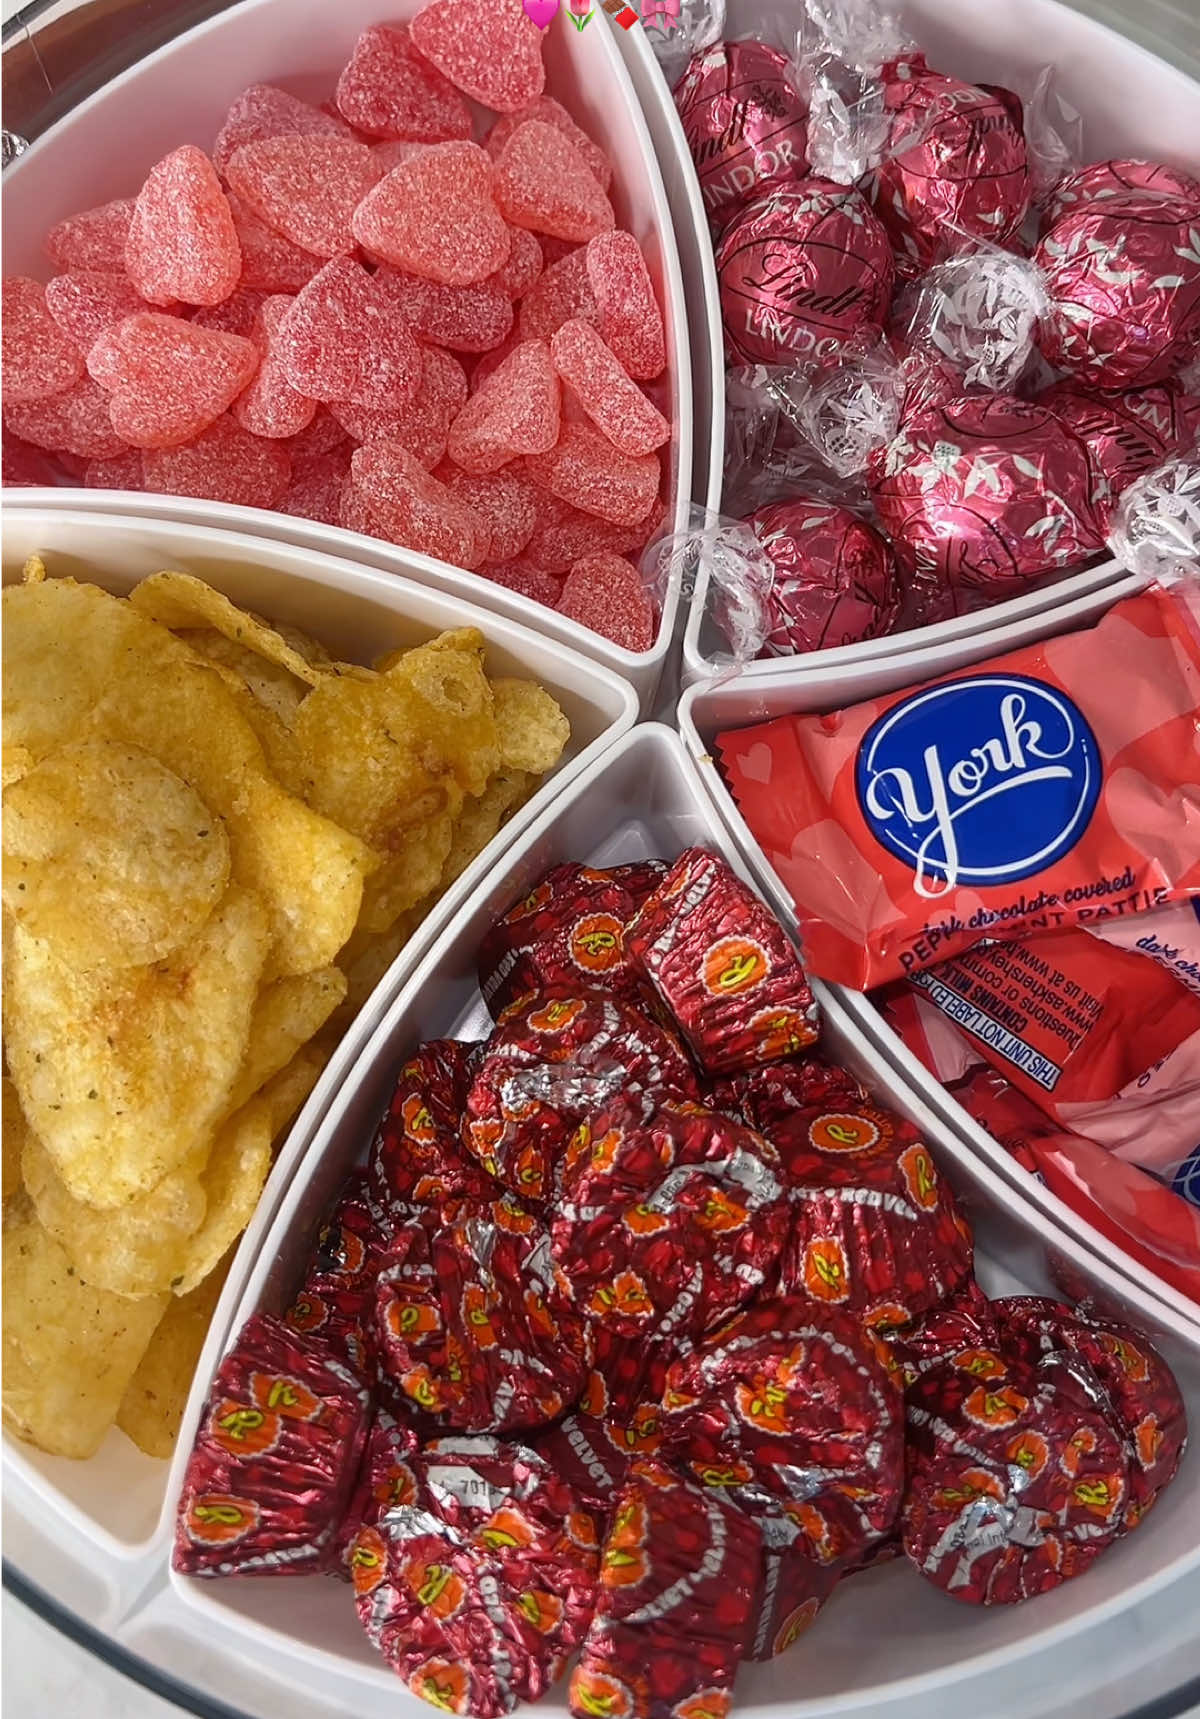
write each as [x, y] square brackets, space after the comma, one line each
[111, 857]
[70, 1349]
[135, 1249]
[531, 726]
[481, 817]
[152, 1408]
[180, 600]
[285, 1093]
[271, 685]
[34, 570]
[122, 1075]
[459, 715]
[411, 872]
[286, 1015]
[16, 1133]
[233, 1180]
[367, 957]
[15, 762]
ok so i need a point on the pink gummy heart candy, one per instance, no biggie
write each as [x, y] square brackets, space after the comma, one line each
[562, 535]
[490, 49]
[84, 302]
[561, 292]
[306, 188]
[355, 515]
[614, 403]
[76, 422]
[552, 113]
[270, 263]
[629, 317]
[544, 183]
[93, 239]
[22, 466]
[270, 406]
[525, 579]
[489, 362]
[466, 318]
[415, 509]
[342, 340]
[515, 411]
[524, 264]
[167, 379]
[236, 314]
[264, 111]
[322, 436]
[585, 469]
[38, 359]
[507, 500]
[123, 471]
[388, 90]
[607, 594]
[181, 243]
[315, 491]
[435, 216]
[424, 424]
[224, 463]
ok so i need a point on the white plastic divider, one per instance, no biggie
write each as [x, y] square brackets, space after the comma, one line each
[92, 1533]
[709, 709]
[1094, 69]
[888, 1640]
[180, 94]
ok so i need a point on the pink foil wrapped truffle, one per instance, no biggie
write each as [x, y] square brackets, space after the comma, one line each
[835, 577]
[744, 121]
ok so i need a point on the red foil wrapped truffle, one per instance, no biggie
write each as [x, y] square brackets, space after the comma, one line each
[987, 493]
[721, 963]
[338, 1291]
[417, 1155]
[1102, 181]
[1123, 278]
[478, 1582]
[771, 1094]
[835, 577]
[745, 123]
[275, 1460]
[1127, 433]
[955, 164]
[801, 270]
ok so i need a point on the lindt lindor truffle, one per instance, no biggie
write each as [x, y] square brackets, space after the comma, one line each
[801, 271]
[1126, 433]
[744, 121]
[1105, 181]
[835, 577]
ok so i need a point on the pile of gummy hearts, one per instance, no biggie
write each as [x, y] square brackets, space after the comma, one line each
[357, 314]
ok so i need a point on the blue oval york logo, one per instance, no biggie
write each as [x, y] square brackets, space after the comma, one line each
[985, 781]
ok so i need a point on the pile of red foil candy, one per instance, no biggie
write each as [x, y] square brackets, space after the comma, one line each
[643, 1328]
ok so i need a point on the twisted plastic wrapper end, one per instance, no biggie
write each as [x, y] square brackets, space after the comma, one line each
[740, 579]
[1156, 528]
[979, 310]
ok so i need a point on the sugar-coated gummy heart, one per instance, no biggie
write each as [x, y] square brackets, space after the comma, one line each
[123, 471]
[551, 112]
[323, 436]
[545, 184]
[236, 314]
[388, 90]
[611, 399]
[355, 515]
[315, 491]
[563, 535]
[22, 466]
[585, 469]
[487, 363]
[475, 318]
[342, 341]
[264, 111]
[506, 499]
[415, 509]
[74, 422]
[181, 244]
[523, 266]
[525, 579]
[424, 424]
[270, 406]
[608, 594]
[92, 239]
[489, 49]
[84, 302]
[435, 216]
[515, 411]
[392, 151]
[39, 358]
[224, 463]
[560, 292]
[307, 188]
[270, 263]
[167, 379]
[628, 315]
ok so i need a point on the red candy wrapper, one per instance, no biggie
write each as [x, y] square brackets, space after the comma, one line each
[470, 1326]
[275, 1459]
[1014, 1487]
[723, 966]
[588, 1455]
[550, 1063]
[771, 1094]
[1117, 1373]
[1105, 181]
[744, 121]
[667, 1225]
[835, 578]
[476, 1579]
[625, 1383]
[417, 1155]
[801, 271]
[336, 1298]
[568, 931]
[955, 164]
[676, 1605]
[1126, 434]
[986, 492]
[884, 821]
